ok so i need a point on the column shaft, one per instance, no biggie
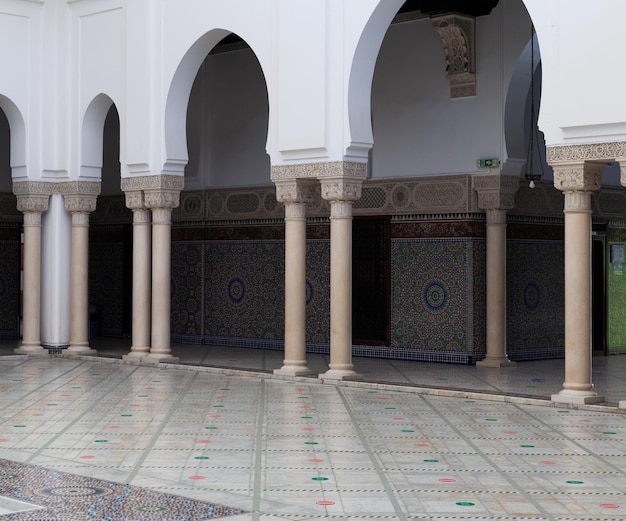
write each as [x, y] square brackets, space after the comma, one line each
[295, 291]
[79, 314]
[31, 325]
[496, 290]
[142, 274]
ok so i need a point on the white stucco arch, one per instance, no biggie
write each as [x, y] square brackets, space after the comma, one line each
[178, 99]
[18, 138]
[361, 75]
[92, 137]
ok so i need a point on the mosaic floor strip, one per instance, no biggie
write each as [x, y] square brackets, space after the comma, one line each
[63, 496]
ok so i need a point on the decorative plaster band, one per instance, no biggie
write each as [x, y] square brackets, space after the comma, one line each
[351, 169]
[153, 182]
[614, 151]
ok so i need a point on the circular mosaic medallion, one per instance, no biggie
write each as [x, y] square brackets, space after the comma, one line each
[236, 290]
[78, 491]
[532, 296]
[435, 296]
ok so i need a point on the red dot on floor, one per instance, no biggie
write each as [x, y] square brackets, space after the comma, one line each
[87, 457]
[586, 421]
[609, 505]
[197, 478]
[316, 460]
[548, 462]
[3, 440]
[114, 426]
[135, 405]
[215, 416]
[447, 480]
[383, 398]
[38, 414]
[399, 419]
[421, 444]
[325, 503]
[204, 441]
[305, 407]
[308, 429]
[221, 397]
[510, 432]
[65, 394]
[475, 409]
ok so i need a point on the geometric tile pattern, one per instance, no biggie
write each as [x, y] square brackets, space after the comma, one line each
[9, 289]
[535, 299]
[299, 449]
[431, 294]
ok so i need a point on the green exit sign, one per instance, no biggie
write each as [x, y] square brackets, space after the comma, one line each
[488, 163]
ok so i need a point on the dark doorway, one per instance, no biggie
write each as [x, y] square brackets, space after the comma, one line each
[371, 281]
[598, 295]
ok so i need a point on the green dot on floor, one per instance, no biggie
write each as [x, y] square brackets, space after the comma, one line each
[201, 457]
[19, 426]
[609, 432]
[491, 419]
[218, 406]
[527, 446]
[126, 415]
[306, 417]
[311, 443]
[574, 482]
[390, 408]
[210, 427]
[465, 503]
[319, 479]
[408, 430]
[431, 461]
[101, 441]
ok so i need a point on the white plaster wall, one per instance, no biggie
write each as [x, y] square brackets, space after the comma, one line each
[418, 129]
[227, 123]
[582, 49]
[5, 152]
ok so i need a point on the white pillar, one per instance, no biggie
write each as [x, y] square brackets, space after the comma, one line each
[340, 193]
[32, 206]
[295, 195]
[161, 201]
[142, 275]
[496, 195]
[80, 205]
[578, 181]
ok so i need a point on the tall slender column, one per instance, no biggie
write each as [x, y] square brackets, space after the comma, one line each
[341, 193]
[142, 273]
[578, 181]
[161, 201]
[295, 195]
[32, 206]
[80, 206]
[496, 195]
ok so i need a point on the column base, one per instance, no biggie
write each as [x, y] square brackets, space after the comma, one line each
[136, 355]
[577, 397]
[294, 370]
[340, 374]
[31, 350]
[496, 362]
[80, 350]
[622, 404]
[161, 358]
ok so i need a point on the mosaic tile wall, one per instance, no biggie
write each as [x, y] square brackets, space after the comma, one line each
[535, 299]
[235, 289]
[433, 291]
[9, 289]
[106, 283]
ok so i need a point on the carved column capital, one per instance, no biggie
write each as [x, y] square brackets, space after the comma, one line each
[341, 189]
[295, 191]
[578, 177]
[495, 191]
[80, 203]
[457, 33]
[622, 169]
[134, 200]
[32, 197]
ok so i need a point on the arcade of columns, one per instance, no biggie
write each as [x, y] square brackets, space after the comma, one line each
[577, 173]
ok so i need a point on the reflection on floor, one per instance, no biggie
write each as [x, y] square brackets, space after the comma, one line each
[297, 449]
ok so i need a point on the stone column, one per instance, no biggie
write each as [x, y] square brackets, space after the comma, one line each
[578, 181]
[162, 201]
[496, 195]
[294, 195]
[142, 273]
[32, 205]
[80, 205]
[341, 192]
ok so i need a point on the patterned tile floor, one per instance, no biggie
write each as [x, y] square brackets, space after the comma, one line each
[463, 447]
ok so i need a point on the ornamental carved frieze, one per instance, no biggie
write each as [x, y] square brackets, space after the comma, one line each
[457, 32]
[320, 170]
[153, 182]
[613, 151]
[87, 188]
